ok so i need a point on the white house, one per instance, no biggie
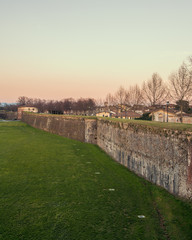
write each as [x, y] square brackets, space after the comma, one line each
[25, 109]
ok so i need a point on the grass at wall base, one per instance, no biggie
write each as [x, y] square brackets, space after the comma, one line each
[56, 188]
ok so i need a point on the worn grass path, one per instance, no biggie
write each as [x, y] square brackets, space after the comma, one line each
[56, 188]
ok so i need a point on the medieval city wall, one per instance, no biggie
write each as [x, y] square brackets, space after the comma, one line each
[77, 128]
[161, 156]
[8, 115]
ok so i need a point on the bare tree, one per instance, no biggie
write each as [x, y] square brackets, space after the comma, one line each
[180, 83]
[119, 98]
[99, 102]
[154, 90]
[85, 105]
[91, 104]
[190, 60]
[9, 107]
[40, 104]
[67, 105]
[110, 99]
[24, 101]
[135, 95]
[128, 97]
[190, 65]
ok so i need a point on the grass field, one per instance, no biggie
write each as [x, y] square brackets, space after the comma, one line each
[56, 188]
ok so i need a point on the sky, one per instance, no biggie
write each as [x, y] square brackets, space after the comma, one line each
[55, 49]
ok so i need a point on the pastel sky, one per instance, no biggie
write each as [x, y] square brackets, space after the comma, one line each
[54, 49]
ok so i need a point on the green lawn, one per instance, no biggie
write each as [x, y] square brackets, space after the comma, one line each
[154, 124]
[56, 188]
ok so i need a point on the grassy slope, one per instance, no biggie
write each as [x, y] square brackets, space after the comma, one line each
[154, 124]
[49, 190]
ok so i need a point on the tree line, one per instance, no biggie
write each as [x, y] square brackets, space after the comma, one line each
[155, 91]
[55, 107]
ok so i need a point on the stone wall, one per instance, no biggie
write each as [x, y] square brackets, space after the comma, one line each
[2, 115]
[91, 131]
[81, 129]
[11, 116]
[161, 156]
[8, 115]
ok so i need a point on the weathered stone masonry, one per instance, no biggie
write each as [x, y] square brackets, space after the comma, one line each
[162, 156]
[81, 129]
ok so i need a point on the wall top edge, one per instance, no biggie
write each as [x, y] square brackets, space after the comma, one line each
[134, 125]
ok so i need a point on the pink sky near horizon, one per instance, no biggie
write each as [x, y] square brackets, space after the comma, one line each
[59, 49]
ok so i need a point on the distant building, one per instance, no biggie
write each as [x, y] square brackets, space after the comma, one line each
[25, 109]
[139, 108]
[103, 114]
[128, 115]
[162, 115]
